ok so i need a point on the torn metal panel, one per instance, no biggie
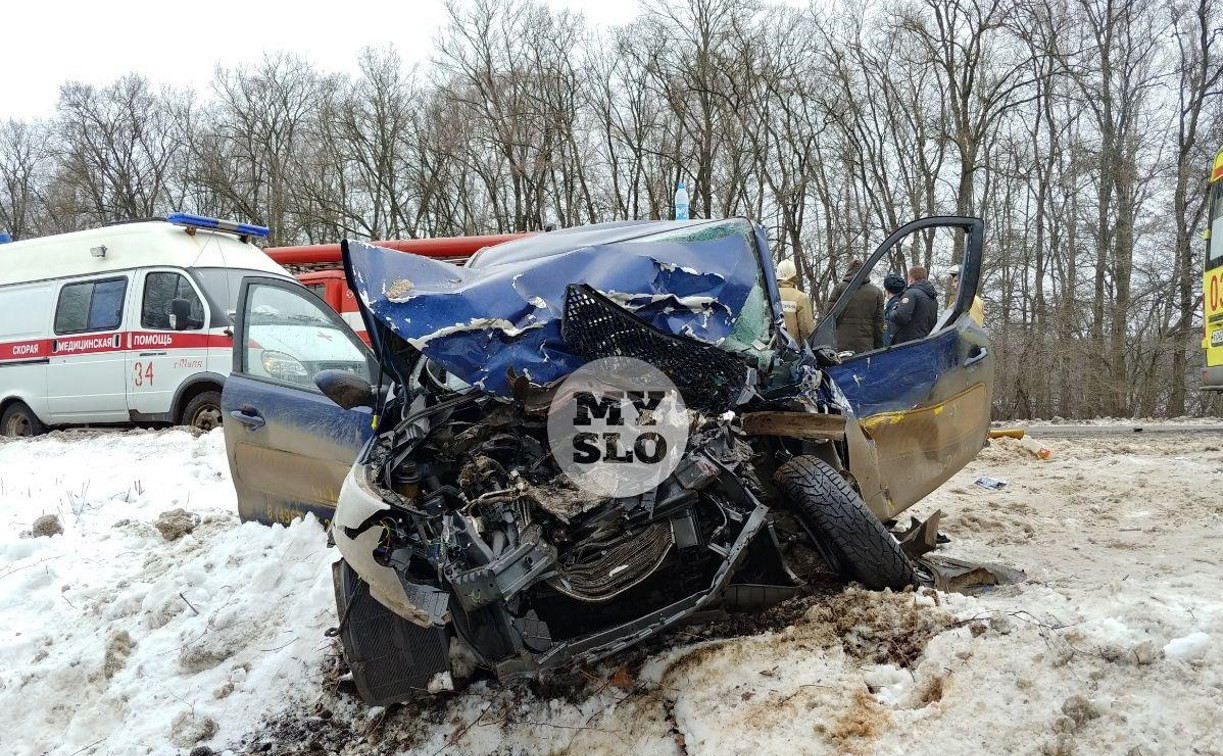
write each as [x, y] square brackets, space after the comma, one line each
[959, 576]
[922, 537]
[896, 379]
[481, 322]
[806, 425]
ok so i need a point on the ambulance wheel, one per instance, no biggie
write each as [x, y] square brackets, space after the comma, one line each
[203, 412]
[19, 421]
[847, 532]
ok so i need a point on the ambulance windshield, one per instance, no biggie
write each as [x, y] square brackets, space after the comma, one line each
[222, 285]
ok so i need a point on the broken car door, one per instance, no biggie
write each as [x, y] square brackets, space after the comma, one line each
[926, 403]
[289, 446]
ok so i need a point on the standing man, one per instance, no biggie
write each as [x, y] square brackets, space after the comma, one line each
[795, 304]
[860, 324]
[917, 310]
[894, 285]
[977, 310]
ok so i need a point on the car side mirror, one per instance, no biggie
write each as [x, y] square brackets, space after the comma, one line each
[180, 314]
[346, 389]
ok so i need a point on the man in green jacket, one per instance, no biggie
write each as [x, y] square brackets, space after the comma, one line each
[860, 324]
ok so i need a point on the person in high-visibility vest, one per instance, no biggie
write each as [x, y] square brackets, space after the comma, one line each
[977, 310]
[795, 304]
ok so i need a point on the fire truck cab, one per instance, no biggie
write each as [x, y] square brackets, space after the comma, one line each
[319, 268]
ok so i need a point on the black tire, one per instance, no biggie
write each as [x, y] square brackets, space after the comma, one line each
[203, 412]
[19, 421]
[864, 550]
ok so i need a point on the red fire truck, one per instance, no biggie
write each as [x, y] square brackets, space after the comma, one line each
[319, 268]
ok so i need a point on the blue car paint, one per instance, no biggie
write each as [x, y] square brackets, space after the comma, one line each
[298, 421]
[480, 322]
[899, 378]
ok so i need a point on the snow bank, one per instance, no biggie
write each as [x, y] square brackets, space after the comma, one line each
[114, 637]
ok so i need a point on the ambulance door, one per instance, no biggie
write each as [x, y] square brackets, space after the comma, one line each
[87, 367]
[168, 342]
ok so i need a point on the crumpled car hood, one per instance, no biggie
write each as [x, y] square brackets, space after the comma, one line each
[479, 323]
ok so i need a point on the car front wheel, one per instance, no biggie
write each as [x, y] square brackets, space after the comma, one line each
[845, 528]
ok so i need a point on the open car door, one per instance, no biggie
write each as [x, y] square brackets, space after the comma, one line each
[289, 446]
[926, 403]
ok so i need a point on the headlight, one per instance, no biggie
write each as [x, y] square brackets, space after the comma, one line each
[284, 367]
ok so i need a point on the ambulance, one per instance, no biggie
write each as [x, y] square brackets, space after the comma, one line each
[127, 324]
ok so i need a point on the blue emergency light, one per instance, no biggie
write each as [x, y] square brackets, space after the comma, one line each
[199, 221]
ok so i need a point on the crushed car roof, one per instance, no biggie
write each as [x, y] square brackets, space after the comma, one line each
[505, 310]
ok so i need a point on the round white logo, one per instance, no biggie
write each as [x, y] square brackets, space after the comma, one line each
[617, 427]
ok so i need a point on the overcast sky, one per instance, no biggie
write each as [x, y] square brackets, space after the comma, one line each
[48, 42]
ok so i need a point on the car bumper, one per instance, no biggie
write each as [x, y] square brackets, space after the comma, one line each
[357, 535]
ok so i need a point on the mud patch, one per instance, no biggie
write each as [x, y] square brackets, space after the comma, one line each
[118, 648]
[885, 628]
[865, 719]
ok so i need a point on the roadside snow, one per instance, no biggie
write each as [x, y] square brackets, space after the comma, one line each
[1114, 644]
[112, 636]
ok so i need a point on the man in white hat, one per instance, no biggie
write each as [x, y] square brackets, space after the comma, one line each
[795, 304]
[977, 310]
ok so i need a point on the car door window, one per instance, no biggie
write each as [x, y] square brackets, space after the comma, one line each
[291, 335]
[90, 306]
[160, 289]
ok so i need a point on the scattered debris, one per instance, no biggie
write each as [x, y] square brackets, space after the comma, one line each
[1035, 447]
[988, 483]
[922, 536]
[187, 729]
[47, 526]
[176, 523]
[960, 576]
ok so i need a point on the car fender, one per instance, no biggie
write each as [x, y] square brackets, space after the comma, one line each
[194, 380]
[356, 538]
[28, 400]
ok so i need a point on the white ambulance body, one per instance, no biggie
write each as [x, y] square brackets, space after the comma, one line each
[129, 323]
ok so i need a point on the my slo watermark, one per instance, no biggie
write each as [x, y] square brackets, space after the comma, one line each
[617, 427]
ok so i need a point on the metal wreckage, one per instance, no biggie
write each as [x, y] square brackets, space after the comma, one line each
[465, 545]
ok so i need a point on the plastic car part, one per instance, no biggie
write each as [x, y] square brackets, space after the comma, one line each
[504, 576]
[608, 641]
[391, 658]
[595, 327]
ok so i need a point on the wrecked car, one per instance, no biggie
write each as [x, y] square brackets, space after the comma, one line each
[496, 518]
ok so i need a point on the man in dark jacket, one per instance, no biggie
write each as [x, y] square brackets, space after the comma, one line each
[894, 285]
[917, 310]
[860, 324]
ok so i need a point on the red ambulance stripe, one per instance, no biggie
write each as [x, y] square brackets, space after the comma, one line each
[120, 341]
[36, 349]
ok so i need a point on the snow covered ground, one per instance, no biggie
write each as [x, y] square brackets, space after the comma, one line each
[116, 640]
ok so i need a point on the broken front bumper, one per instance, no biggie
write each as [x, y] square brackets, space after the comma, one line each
[356, 532]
